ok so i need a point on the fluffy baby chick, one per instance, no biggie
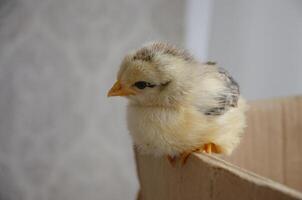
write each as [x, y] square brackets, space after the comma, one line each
[178, 105]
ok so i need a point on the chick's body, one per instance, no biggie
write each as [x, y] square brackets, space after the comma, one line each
[173, 130]
[177, 104]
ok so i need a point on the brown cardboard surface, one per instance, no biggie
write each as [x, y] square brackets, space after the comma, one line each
[271, 147]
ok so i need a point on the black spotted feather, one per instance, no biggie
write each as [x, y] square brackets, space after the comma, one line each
[226, 99]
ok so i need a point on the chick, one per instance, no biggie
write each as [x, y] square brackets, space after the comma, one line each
[178, 105]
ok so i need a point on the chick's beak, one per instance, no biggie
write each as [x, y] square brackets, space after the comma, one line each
[119, 90]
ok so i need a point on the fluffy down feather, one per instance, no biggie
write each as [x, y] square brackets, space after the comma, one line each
[190, 104]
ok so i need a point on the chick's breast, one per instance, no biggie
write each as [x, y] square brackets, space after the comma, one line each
[162, 131]
[169, 131]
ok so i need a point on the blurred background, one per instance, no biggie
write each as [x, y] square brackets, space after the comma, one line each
[60, 137]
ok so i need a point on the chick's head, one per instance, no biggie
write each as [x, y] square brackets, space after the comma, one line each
[157, 74]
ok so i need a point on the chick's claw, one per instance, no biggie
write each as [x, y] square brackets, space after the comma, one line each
[184, 157]
[172, 160]
[211, 148]
[208, 148]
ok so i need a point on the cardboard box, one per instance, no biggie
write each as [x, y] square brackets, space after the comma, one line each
[266, 165]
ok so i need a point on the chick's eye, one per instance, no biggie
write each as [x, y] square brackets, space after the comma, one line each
[141, 84]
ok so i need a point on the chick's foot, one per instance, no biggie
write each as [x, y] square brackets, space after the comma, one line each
[184, 157]
[172, 160]
[211, 148]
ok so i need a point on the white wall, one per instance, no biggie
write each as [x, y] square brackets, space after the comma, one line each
[61, 138]
[259, 42]
[198, 26]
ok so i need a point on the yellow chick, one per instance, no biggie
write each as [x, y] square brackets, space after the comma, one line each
[178, 105]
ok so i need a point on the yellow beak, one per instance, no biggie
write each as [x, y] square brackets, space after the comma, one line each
[118, 90]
